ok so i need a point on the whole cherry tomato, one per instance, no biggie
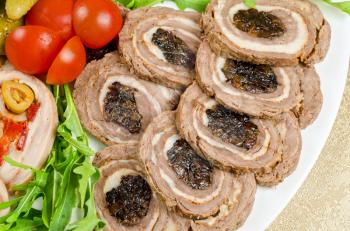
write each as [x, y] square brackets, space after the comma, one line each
[68, 64]
[53, 14]
[96, 22]
[32, 49]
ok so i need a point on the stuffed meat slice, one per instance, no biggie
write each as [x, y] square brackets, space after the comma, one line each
[160, 44]
[309, 109]
[226, 137]
[115, 105]
[28, 121]
[277, 32]
[289, 130]
[124, 198]
[187, 181]
[257, 90]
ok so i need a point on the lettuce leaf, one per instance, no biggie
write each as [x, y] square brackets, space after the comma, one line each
[66, 182]
[344, 6]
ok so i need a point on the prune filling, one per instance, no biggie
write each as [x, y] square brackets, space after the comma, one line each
[259, 23]
[175, 50]
[191, 168]
[129, 202]
[250, 77]
[232, 127]
[120, 107]
[97, 54]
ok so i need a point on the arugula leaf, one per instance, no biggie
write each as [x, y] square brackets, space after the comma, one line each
[66, 200]
[344, 6]
[72, 119]
[17, 164]
[25, 204]
[250, 3]
[8, 204]
[91, 220]
[66, 181]
[74, 142]
[86, 170]
[198, 5]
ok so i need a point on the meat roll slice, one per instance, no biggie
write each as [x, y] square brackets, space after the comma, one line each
[28, 121]
[124, 199]
[277, 32]
[187, 181]
[311, 106]
[227, 138]
[4, 196]
[115, 105]
[160, 44]
[289, 130]
[231, 217]
[257, 90]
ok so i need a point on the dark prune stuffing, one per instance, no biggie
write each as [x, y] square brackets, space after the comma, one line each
[191, 168]
[120, 107]
[259, 23]
[250, 77]
[129, 202]
[174, 49]
[97, 54]
[232, 127]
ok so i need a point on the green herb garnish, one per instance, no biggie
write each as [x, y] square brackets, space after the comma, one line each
[200, 5]
[65, 184]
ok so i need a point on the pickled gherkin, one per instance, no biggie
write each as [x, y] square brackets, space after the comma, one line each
[16, 9]
[6, 26]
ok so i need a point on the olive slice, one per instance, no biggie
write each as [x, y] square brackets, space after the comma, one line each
[17, 96]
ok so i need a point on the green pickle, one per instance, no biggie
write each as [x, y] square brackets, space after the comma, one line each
[16, 9]
[6, 26]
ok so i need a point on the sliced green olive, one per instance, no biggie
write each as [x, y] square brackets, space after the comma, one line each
[17, 96]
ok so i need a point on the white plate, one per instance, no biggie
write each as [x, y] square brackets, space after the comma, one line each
[270, 202]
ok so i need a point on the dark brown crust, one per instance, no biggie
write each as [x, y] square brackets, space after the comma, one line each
[313, 52]
[136, 63]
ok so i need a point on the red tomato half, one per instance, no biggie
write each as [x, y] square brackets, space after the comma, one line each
[53, 14]
[68, 64]
[32, 49]
[96, 22]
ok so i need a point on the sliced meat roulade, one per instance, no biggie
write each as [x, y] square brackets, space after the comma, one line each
[160, 44]
[258, 90]
[4, 196]
[226, 137]
[289, 130]
[187, 181]
[115, 105]
[231, 217]
[124, 199]
[311, 106]
[28, 121]
[277, 32]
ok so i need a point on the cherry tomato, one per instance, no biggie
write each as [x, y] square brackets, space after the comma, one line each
[53, 14]
[31, 49]
[69, 63]
[96, 22]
